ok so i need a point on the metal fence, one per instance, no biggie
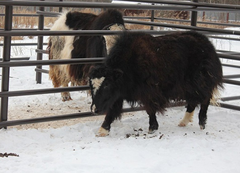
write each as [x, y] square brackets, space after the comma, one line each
[154, 21]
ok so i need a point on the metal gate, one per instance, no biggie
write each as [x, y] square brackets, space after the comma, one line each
[154, 21]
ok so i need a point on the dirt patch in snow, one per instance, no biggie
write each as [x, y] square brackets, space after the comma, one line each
[29, 110]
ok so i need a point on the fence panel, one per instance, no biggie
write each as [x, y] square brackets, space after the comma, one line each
[153, 21]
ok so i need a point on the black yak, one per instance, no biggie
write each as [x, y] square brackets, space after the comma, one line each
[67, 47]
[152, 71]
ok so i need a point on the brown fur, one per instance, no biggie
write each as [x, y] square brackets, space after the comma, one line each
[59, 76]
[68, 47]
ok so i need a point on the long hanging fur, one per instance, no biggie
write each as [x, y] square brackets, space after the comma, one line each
[67, 47]
[152, 71]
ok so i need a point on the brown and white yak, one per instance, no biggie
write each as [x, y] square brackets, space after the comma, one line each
[152, 71]
[67, 47]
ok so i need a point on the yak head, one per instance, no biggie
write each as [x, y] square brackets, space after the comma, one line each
[105, 87]
[106, 18]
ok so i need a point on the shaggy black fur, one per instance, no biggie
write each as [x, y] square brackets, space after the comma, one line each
[152, 71]
[90, 46]
[77, 20]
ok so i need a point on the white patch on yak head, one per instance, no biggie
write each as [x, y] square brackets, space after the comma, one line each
[96, 83]
[111, 39]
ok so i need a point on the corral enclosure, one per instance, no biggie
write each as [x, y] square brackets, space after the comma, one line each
[71, 145]
[32, 19]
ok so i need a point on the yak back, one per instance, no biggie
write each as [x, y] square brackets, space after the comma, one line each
[157, 69]
[74, 20]
[77, 20]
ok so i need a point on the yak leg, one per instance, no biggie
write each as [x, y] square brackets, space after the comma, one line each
[59, 79]
[188, 115]
[153, 124]
[65, 95]
[203, 114]
[113, 113]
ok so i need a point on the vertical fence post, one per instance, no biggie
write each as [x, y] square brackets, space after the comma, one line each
[6, 58]
[60, 8]
[194, 16]
[40, 45]
[152, 17]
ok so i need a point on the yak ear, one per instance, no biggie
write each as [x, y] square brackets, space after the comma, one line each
[117, 74]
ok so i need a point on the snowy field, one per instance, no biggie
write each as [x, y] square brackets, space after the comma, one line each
[71, 145]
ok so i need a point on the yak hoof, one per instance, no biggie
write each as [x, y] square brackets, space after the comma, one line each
[66, 96]
[187, 118]
[150, 131]
[182, 124]
[202, 127]
[102, 132]
[153, 129]
[202, 123]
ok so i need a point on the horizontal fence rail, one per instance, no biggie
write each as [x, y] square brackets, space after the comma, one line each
[128, 6]
[42, 91]
[52, 62]
[78, 32]
[72, 116]
[87, 5]
[101, 32]
[7, 62]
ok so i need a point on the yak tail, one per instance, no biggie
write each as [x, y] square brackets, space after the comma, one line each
[215, 97]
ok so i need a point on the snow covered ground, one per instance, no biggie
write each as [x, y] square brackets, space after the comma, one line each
[71, 145]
